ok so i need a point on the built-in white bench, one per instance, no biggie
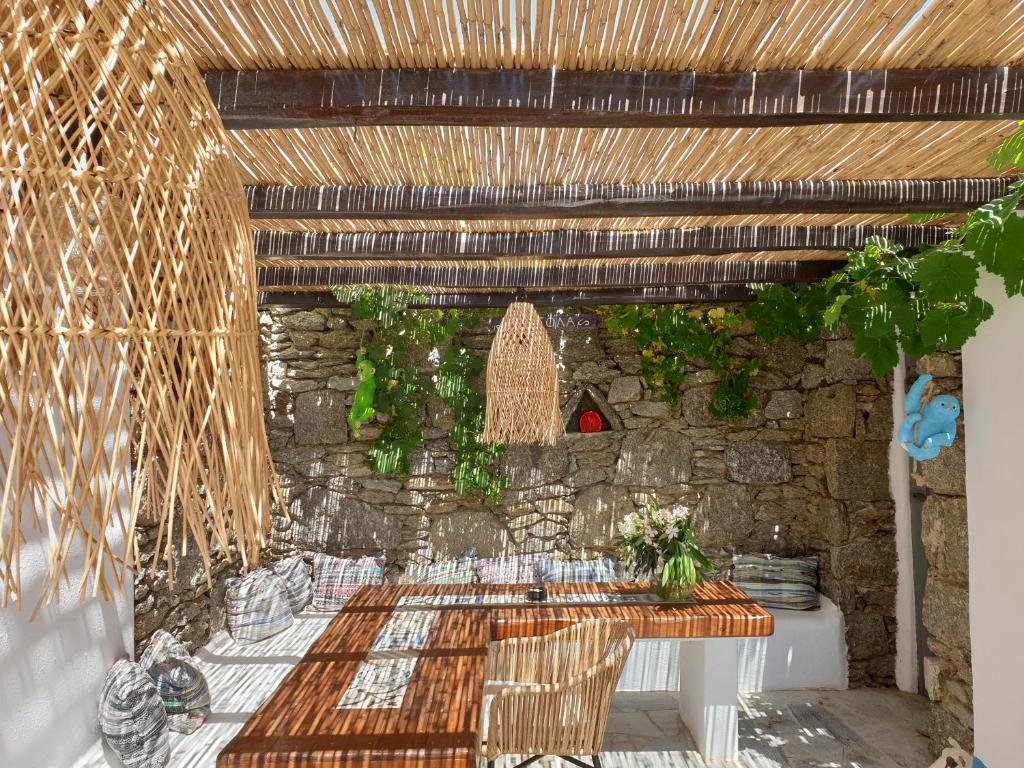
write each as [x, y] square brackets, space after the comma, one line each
[807, 650]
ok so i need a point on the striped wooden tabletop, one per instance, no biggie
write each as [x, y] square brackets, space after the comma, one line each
[396, 679]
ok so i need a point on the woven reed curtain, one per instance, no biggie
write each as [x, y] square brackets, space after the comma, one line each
[128, 331]
[522, 382]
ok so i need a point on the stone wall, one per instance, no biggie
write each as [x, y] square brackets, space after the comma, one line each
[806, 473]
[947, 671]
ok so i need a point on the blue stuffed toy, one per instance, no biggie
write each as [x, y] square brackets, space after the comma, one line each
[927, 430]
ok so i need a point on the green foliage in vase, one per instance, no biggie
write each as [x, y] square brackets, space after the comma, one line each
[406, 377]
[669, 337]
[654, 539]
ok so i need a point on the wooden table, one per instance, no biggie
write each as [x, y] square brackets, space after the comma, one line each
[429, 715]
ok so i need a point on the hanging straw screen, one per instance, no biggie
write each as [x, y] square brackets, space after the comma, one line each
[522, 382]
[128, 333]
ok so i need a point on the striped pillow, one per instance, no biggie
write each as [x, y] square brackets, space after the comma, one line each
[514, 569]
[296, 578]
[181, 685]
[337, 578]
[132, 717]
[163, 646]
[778, 582]
[461, 571]
[256, 606]
[571, 571]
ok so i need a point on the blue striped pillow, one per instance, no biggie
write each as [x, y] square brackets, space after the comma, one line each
[778, 582]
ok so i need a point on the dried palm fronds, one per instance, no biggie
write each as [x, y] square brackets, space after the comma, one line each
[522, 382]
[129, 372]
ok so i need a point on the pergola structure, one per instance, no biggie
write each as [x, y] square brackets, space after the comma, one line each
[603, 152]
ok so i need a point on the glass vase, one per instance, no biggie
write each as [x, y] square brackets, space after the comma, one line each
[673, 591]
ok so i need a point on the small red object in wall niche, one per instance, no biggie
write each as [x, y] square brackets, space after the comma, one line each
[590, 421]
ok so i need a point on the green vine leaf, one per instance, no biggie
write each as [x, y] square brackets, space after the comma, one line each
[881, 353]
[925, 218]
[951, 326]
[946, 274]
[995, 233]
[1009, 154]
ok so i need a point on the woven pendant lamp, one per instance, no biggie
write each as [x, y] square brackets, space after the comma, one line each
[522, 381]
[129, 372]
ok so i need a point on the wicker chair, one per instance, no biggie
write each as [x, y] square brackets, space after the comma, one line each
[551, 694]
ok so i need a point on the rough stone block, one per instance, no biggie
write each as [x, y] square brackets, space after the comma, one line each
[320, 418]
[451, 535]
[944, 533]
[866, 563]
[787, 404]
[757, 462]
[857, 470]
[654, 457]
[304, 321]
[842, 365]
[941, 365]
[625, 389]
[529, 466]
[787, 355]
[725, 517]
[813, 376]
[831, 411]
[866, 636]
[947, 472]
[598, 511]
[654, 409]
[330, 521]
[946, 613]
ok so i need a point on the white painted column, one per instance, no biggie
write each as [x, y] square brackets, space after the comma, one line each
[709, 693]
[993, 364]
[899, 484]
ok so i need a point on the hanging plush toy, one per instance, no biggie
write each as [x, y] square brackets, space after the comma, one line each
[929, 428]
[362, 404]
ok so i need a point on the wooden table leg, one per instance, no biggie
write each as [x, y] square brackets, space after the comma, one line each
[709, 693]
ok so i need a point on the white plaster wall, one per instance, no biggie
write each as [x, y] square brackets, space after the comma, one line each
[52, 667]
[994, 399]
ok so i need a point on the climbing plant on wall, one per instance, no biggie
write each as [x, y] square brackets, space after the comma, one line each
[890, 298]
[417, 354]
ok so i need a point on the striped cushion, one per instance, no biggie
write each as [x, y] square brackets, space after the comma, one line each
[778, 582]
[337, 578]
[571, 571]
[179, 682]
[296, 578]
[132, 717]
[514, 569]
[163, 646]
[256, 606]
[461, 571]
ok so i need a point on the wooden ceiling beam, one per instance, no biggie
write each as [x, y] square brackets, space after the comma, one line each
[579, 99]
[273, 246]
[546, 276]
[615, 200]
[684, 294]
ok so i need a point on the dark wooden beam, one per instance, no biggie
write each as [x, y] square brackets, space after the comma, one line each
[547, 276]
[685, 294]
[562, 98]
[581, 244]
[612, 200]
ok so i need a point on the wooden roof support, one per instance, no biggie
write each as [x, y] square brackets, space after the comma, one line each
[581, 244]
[684, 294]
[540, 275]
[614, 200]
[568, 98]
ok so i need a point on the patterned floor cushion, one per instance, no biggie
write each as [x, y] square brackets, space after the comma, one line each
[296, 578]
[513, 569]
[182, 687]
[569, 571]
[335, 579]
[163, 646]
[132, 717]
[256, 606]
[461, 571]
[778, 582]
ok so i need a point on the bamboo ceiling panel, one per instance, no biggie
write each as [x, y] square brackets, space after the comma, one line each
[727, 35]
[401, 155]
[635, 223]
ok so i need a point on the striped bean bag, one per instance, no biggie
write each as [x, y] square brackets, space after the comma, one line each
[296, 578]
[513, 569]
[460, 571]
[256, 606]
[132, 717]
[570, 571]
[778, 582]
[335, 579]
[182, 687]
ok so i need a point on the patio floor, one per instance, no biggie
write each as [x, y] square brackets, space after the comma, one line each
[863, 728]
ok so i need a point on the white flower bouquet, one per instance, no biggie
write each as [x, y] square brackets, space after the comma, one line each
[659, 544]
